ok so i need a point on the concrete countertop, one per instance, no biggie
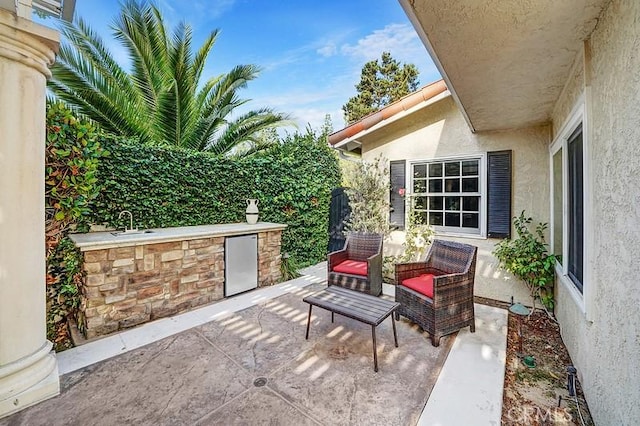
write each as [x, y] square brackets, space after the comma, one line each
[104, 240]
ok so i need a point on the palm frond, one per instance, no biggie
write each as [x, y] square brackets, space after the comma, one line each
[160, 100]
[140, 29]
[245, 129]
[201, 57]
[86, 75]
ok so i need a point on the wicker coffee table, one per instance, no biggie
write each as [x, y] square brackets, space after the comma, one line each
[355, 305]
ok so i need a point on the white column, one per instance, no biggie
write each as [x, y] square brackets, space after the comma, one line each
[28, 368]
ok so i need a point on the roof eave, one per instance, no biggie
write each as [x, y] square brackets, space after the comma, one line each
[409, 11]
[353, 142]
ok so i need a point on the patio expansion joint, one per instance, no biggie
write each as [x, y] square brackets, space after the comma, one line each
[218, 408]
[252, 388]
[300, 409]
[219, 349]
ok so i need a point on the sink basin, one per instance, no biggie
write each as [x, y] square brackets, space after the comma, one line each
[134, 232]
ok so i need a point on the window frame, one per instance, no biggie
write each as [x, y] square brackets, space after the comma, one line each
[577, 118]
[482, 191]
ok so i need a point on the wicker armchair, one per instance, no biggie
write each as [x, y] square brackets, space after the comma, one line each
[437, 294]
[358, 266]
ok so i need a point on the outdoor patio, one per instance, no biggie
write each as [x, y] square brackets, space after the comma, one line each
[245, 360]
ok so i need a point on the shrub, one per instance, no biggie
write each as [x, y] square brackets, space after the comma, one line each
[528, 258]
[418, 238]
[368, 191]
[72, 154]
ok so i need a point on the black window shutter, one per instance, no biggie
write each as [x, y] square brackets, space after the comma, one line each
[396, 196]
[499, 194]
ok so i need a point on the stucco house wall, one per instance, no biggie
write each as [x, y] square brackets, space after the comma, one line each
[603, 330]
[439, 130]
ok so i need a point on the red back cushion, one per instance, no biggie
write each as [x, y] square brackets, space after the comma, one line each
[423, 284]
[351, 267]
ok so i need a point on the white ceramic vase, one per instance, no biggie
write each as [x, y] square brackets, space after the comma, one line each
[252, 211]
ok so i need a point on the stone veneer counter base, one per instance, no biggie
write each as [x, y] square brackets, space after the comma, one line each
[135, 278]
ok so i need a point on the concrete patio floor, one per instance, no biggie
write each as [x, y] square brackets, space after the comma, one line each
[244, 360]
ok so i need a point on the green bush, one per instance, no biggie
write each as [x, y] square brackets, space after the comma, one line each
[72, 155]
[368, 191]
[165, 187]
[418, 237]
[528, 258]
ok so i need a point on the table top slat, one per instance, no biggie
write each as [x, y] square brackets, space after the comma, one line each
[353, 304]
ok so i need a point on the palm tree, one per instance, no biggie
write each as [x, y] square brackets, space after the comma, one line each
[160, 100]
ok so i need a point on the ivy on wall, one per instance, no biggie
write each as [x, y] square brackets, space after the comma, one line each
[165, 187]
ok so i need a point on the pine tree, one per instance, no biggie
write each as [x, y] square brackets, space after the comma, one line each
[382, 81]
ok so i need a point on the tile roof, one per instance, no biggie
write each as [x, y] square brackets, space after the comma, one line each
[403, 104]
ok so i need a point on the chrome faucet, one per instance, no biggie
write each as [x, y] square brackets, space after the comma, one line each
[131, 229]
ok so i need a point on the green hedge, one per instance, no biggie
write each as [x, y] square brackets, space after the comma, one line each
[166, 187]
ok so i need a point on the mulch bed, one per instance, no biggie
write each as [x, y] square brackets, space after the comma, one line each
[539, 395]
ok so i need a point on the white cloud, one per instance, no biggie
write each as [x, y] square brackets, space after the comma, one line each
[399, 39]
[314, 117]
[306, 106]
[328, 50]
[212, 8]
[287, 59]
[295, 97]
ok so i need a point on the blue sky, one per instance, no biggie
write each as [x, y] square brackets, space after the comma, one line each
[310, 52]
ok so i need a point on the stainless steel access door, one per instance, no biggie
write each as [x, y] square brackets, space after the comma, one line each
[241, 264]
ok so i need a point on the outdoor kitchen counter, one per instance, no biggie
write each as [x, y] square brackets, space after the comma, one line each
[105, 240]
[130, 279]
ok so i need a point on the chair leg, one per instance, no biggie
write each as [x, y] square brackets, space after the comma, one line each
[395, 335]
[473, 326]
[375, 349]
[435, 340]
[397, 315]
[306, 337]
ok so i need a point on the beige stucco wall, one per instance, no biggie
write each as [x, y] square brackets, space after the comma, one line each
[604, 341]
[570, 95]
[440, 130]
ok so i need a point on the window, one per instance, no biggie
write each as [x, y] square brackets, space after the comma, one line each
[567, 186]
[448, 194]
[576, 207]
[557, 204]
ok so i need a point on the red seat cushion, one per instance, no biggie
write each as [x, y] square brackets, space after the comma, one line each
[423, 284]
[351, 267]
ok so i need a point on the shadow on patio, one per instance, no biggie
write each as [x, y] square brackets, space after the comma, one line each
[252, 365]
